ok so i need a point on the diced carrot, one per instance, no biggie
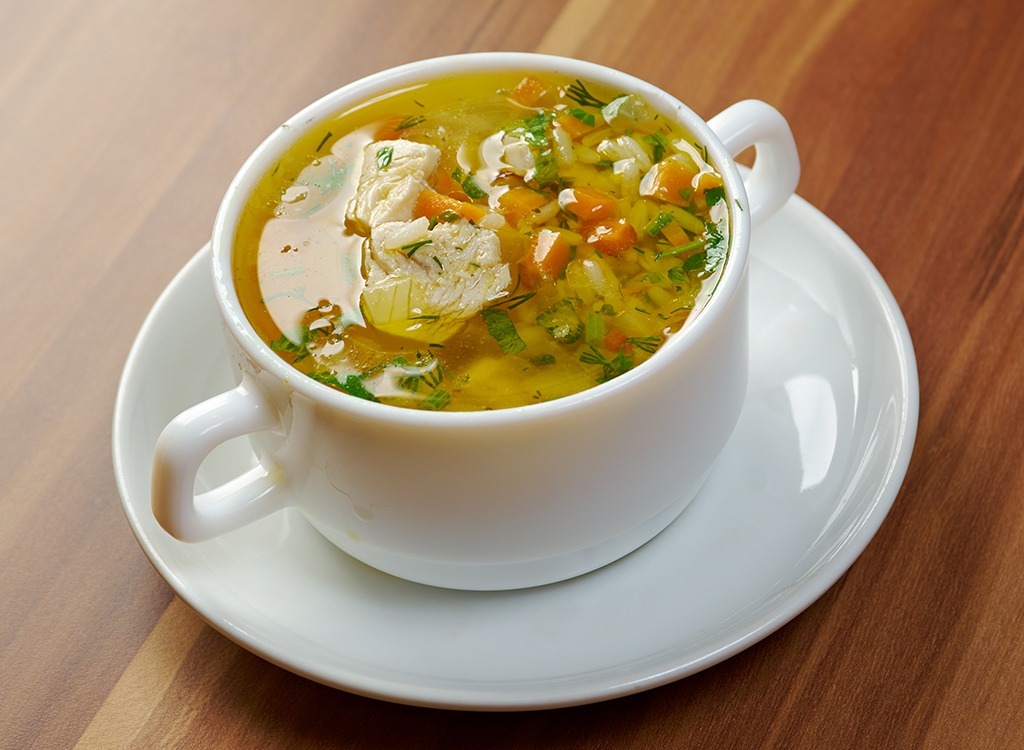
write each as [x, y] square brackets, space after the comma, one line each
[430, 203]
[573, 125]
[445, 184]
[705, 181]
[588, 204]
[545, 258]
[612, 237]
[671, 181]
[616, 340]
[529, 92]
[390, 128]
[519, 202]
[675, 234]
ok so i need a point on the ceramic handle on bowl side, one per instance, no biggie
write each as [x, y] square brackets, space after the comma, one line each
[180, 450]
[776, 168]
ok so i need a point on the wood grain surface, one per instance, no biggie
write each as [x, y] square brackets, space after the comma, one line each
[122, 123]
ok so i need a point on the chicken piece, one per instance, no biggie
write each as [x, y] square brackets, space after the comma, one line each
[424, 283]
[393, 174]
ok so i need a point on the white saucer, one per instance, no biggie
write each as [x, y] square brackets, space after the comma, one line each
[814, 466]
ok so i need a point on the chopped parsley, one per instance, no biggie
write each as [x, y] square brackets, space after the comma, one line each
[352, 384]
[587, 118]
[503, 330]
[384, 156]
[470, 186]
[436, 400]
[714, 195]
[659, 144]
[561, 321]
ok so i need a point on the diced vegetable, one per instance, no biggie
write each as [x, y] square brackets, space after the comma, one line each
[588, 204]
[519, 202]
[529, 92]
[431, 204]
[561, 321]
[577, 123]
[612, 237]
[671, 180]
[615, 340]
[625, 111]
[545, 258]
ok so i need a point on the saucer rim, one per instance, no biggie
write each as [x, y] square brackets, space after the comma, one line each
[811, 586]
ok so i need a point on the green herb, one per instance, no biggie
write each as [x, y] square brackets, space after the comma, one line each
[714, 195]
[352, 384]
[696, 262]
[610, 368]
[438, 261]
[445, 217]
[534, 131]
[428, 318]
[409, 121]
[513, 302]
[412, 247]
[679, 249]
[472, 188]
[646, 343]
[561, 322]
[659, 222]
[659, 144]
[326, 137]
[299, 349]
[587, 118]
[436, 400]
[384, 156]
[503, 330]
[543, 360]
[679, 275]
[425, 371]
[578, 93]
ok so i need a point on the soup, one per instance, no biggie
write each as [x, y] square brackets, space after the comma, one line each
[481, 242]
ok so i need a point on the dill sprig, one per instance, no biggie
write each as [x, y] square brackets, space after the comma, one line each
[579, 93]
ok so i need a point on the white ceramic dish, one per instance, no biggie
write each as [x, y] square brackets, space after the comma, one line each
[818, 457]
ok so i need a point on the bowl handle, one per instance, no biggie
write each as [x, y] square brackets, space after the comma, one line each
[776, 170]
[183, 445]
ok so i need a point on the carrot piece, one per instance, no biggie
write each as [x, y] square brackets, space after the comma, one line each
[529, 92]
[616, 340]
[430, 203]
[612, 237]
[545, 258]
[519, 202]
[705, 181]
[670, 181]
[588, 204]
[573, 125]
[445, 184]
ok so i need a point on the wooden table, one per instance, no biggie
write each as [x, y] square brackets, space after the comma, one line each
[123, 123]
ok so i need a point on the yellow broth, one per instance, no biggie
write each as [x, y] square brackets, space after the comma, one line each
[612, 238]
